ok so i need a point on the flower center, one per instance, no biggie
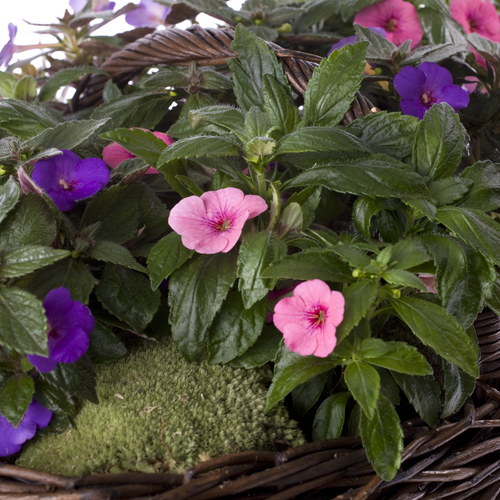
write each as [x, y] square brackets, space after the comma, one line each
[222, 224]
[53, 334]
[472, 25]
[391, 25]
[65, 185]
[317, 317]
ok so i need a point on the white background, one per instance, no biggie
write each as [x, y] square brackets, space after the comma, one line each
[46, 11]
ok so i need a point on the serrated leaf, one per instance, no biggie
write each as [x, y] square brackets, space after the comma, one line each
[9, 195]
[127, 295]
[104, 345]
[16, 394]
[330, 416]
[23, 324]
[333, 85]
[256, 253]
[27, 258]
[380, 49]
[448, 190]
[458, 386]
[52, 393]
[423, 393]
[64, 77]
[114, 253]
[196, 292]
[351, 254]
[229, 118]
[439, 330]
[305, 395]
[291, 370]
[484, 194]
[363, 382]
[213, 80]
[235, 328]
[382, 438]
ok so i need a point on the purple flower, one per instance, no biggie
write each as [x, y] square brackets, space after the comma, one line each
[351, 40]
[67, 178]
[11, 439]
[70, 325]
[148, 14]
[97, 5]
[429, 84]
[9, 48]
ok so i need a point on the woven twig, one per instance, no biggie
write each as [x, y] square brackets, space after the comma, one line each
[176, 47]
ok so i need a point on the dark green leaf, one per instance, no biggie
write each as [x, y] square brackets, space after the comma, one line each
[329, 420]
[448, 190]
[64, 77]
[16, 394]
[458, 386]
[423, 393]
[78, 378]
[351, 254]
[114, 253]
[51, 392]
[305, 395]
[167, 77]
[235, 328]
[333, 85]
[439, 142]
[382, 438]
[364, 209]
[165, 257]
[484, 194]
[127, 295]
[9, 195]
[439, 330]
[213, 80]
[401, 277]
[23, 324]
[291, 370]
[228, 118]
[27, 258]
[493, 302]
[104, 345]
[364, 383]
[196, 292]
[439, 27]
[405, 254]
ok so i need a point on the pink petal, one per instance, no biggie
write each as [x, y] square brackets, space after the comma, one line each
[299, 341]
[312, 292]
[113, 154]
[164, 137]
[476, 16]
[335, 309]
[326, 340]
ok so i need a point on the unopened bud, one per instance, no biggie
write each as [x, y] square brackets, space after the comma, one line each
[396, 293]
[356, 273]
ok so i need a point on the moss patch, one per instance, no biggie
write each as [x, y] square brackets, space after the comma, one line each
[208, 410]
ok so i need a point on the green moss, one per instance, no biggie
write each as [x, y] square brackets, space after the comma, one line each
[209, 410]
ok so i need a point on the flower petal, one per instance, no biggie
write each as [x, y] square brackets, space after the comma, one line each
[455, 96]
[89, 176]
[48, 173]
[326, 340]
[413, 108]
[113, 154]
[409, 83]
[436, 77]
[72, 345]
[41, 363]
[297, 340]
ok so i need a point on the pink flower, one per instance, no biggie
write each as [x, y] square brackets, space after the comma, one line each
[429, 281]
[113, 154]
[309, 319]
[276, 294]
[476, 16]
[398, 18]
[213, 222]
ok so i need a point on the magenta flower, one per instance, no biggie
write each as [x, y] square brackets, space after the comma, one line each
[70, 325]
[351, 40]
[476, 16]
[113, 154]
[429, 84]
[398, 18]
[11, 439]
[9, 48]
[309, 319]
[212, 222]
[148, 14]
[66, 178]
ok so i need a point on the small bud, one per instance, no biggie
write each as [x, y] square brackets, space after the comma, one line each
[285, 28]
[378, 71]
[173, 94]
[373, 276]
[258, 22]
[2, 171]
[396, 293]
[356, 273]
[237, 19]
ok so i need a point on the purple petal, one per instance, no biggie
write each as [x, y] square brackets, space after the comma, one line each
[409, 83]
[89, 177]
[12, 31]
[57, 303]
[8, 444]
[48, 173]
[379, 31]
[350, 40]
[72, 345]
[436, 77]
[38, 414]
[413, 108]
[149, 14]
[41, 363]
[77, 5]
[455, 96]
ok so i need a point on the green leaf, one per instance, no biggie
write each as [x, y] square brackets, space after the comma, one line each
[196, 292]
[26, 89]
[488, 49]
[493, 302]
[291, 370]
[16, 394]
[127, 295]
[380, 49]
[364, 209]
[111, 91]
[7, 84]
[310, 264]
[305, 395]
[30, 223]
[278, 107]
[52, 393]
[320, 139]
[25, 119]
[475, 228]
[114, 253]
[333, 85]
[254, 61]
[316, 11]
[23, 324]
[64, 77]
[484, 194]
[389, 133]
[351, 254]
[405, 254]
[27, 258]
[439, 27]
[104, 345]
[439, 330]
[359, 297]
[70, 273]
[256, 124]
[458, 386]
[67, 135]
[165, 257]
[78, 378]
[396, 356]
[257, 251]
[403, 278]
[439, 142]
[448, 190]
[364, 383]
[329, 420]
[235, 328]
[213, 80]
[9, 195]
[376, 175]
[228, 118]
[262, 351]
[382, 438]
[141, 143]
[167, 77]
[423, 393]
